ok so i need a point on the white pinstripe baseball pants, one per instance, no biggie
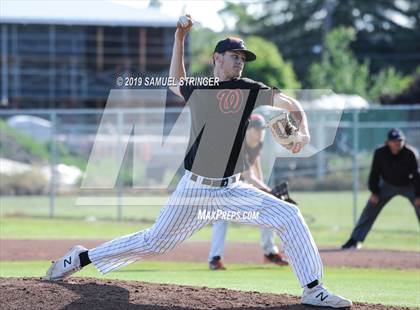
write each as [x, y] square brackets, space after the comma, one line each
[218, 238]
[179, 219]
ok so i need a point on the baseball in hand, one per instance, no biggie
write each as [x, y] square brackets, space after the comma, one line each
[184, 22]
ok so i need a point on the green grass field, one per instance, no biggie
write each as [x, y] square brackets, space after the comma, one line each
[389, 287]
[329, 215]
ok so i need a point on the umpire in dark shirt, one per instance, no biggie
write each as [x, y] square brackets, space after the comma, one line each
[394, 172]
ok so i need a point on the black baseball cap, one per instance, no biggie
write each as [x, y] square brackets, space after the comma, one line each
[396, 134]
[232, 44]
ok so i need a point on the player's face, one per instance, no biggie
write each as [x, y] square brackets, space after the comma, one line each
[395, 145]
[233, 63]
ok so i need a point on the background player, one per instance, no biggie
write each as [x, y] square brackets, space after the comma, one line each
[394, 171]
[203, 187]
[252, 174]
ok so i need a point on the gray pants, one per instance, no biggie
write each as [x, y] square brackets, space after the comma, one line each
[371, 211]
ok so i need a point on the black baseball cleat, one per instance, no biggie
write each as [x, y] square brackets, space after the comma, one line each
[351, 244]
[216, 264]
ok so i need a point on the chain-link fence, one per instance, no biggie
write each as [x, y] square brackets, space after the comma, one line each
[46, 153]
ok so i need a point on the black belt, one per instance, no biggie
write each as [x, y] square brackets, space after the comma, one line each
[223, 182]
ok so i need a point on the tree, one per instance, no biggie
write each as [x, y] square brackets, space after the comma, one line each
[340, 71]
[388, 31]
[410, 95]
[339, 68]
[202, 43]
[388, 82]
[269, 68]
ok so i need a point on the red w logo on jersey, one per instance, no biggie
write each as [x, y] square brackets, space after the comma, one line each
[230, 100]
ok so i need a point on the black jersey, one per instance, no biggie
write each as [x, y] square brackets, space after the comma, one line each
[398, 170]
[219, 119]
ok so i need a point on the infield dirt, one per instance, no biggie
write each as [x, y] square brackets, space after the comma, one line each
[197, 251]
[89, 293]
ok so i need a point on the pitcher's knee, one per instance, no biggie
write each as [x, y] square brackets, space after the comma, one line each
[286, 212]
[289, 208]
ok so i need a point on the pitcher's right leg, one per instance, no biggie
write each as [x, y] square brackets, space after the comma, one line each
[177, 221]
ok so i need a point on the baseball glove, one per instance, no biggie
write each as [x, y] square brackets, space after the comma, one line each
[284, 129]
[282, 192]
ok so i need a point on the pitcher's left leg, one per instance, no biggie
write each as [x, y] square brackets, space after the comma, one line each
[286, 220]
[297, 240]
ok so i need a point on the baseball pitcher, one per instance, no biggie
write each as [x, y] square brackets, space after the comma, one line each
[213, 163]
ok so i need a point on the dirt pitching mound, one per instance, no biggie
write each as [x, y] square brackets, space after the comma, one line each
[90, 293]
